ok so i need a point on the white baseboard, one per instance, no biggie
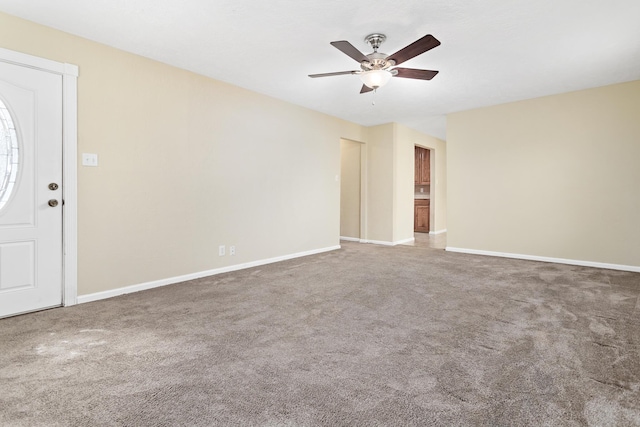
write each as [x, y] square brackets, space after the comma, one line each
[402, 242]
[438, 232]
[547, 259]
[377, 242]
[171, 280]
[385, 243]
[350, 239]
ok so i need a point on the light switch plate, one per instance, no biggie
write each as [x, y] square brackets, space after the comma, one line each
[89, 159]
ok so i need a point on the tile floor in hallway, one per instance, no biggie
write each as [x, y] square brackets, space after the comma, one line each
[436, 241]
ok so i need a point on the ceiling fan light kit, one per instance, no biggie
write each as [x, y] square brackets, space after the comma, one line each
[376, 69]
[375, 78]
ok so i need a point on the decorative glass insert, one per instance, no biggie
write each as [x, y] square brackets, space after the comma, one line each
[9, 155]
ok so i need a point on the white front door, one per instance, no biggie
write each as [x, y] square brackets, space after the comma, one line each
[30, 189]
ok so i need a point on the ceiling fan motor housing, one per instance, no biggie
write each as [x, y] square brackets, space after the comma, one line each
[377, 61]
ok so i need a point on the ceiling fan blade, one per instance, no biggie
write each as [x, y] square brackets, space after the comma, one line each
[365, 89]
[350, 50]
[412, 73]
[416, 48]
[337, 73]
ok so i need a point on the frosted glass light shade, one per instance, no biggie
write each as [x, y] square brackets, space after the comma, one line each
[375, 78]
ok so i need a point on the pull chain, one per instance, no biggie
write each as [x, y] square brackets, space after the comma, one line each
[373, 102]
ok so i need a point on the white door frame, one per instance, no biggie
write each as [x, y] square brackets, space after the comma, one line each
[69, 73]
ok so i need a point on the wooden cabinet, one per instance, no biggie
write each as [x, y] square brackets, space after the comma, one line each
[423, 166]
[421, 215]
[422, 177]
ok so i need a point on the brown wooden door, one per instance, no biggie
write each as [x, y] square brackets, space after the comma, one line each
[422, 166]
[421, 216]
[418, 167]
[426, 166]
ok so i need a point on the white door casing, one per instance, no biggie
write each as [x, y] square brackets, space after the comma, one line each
[38, 263]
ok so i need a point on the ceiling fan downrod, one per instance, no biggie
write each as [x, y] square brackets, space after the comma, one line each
[375, 40]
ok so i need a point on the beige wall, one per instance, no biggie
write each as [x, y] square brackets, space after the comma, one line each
[380, 182]
[404, 178]
[188, 163]
[556, 177]
[350, 188]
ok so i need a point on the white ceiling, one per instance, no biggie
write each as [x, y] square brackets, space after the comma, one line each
[493, 51]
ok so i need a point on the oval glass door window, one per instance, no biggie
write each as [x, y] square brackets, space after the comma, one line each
[9, 155]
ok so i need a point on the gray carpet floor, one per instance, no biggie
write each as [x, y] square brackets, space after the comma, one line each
[363, 336]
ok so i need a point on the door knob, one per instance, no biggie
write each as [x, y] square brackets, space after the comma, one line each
[53, 203]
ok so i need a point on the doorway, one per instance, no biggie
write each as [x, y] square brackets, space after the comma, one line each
[35, 272]
[422, 189]
[352, 190]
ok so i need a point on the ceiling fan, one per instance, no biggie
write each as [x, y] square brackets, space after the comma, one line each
[377, 68]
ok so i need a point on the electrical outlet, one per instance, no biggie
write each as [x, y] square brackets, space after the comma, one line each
[89, 159]
[232, 250]
[221, 250]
